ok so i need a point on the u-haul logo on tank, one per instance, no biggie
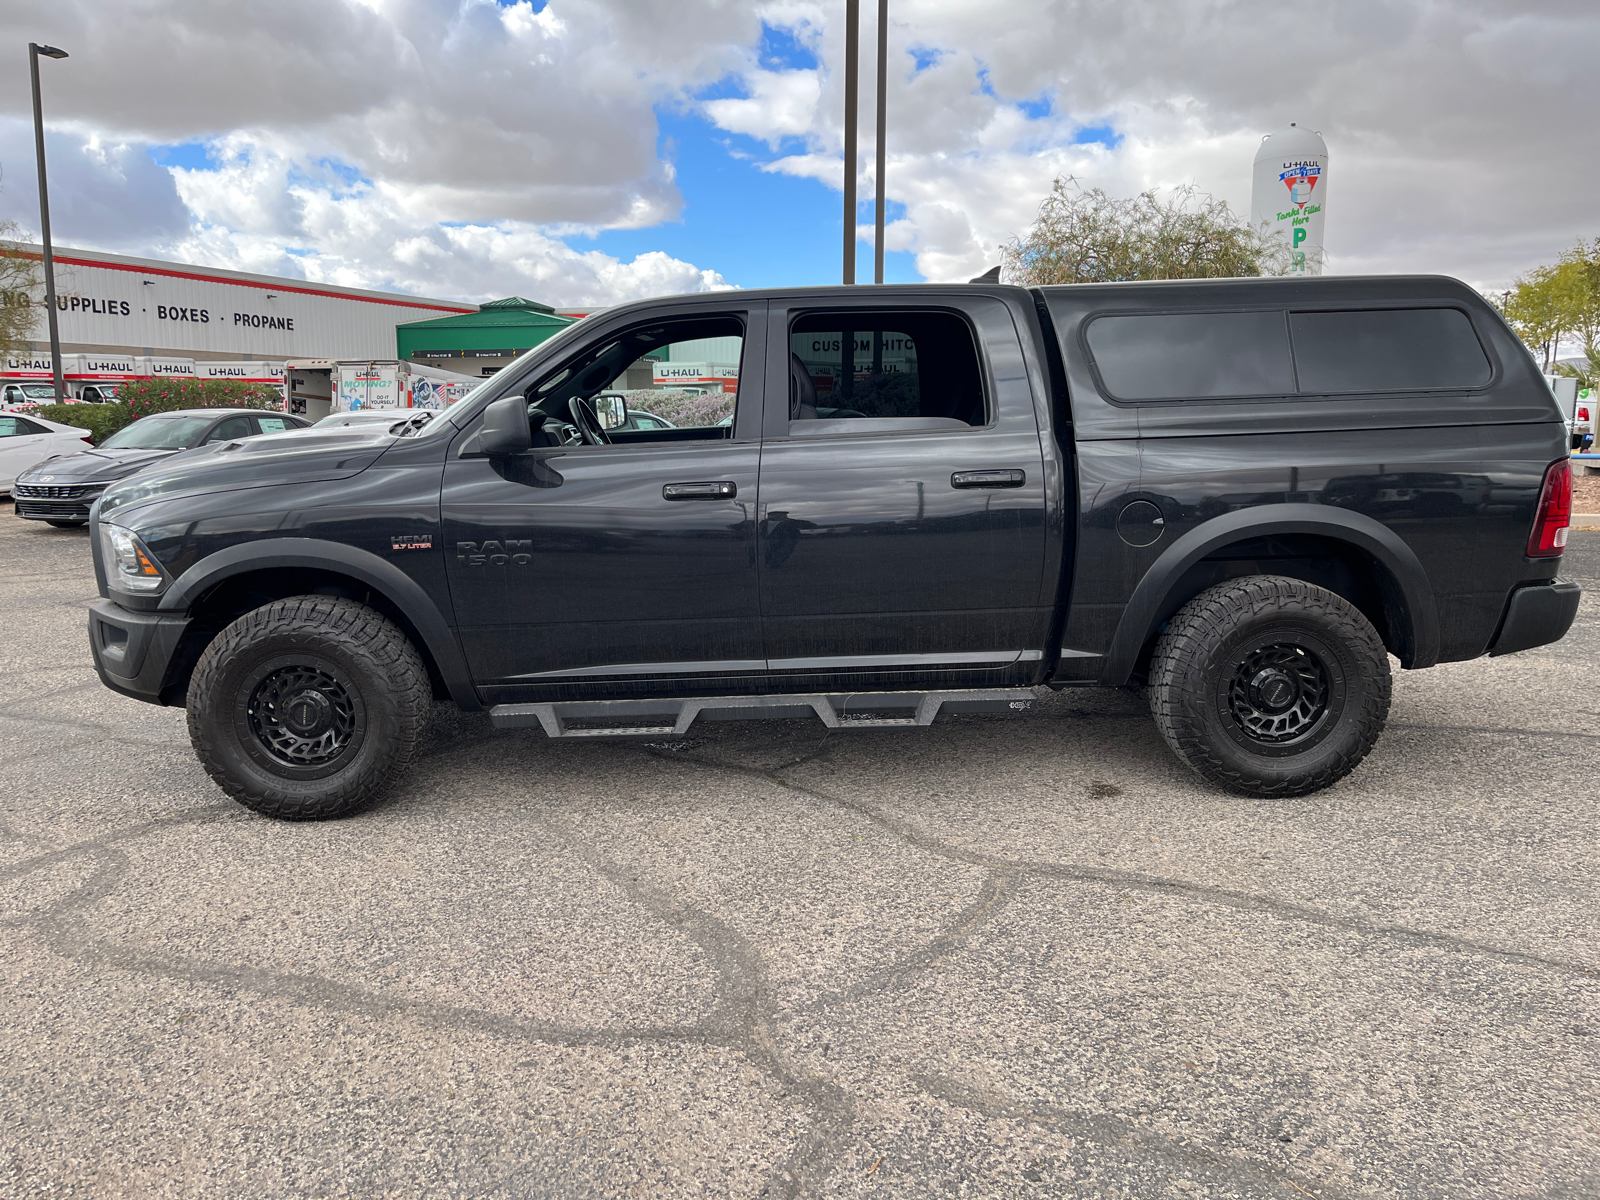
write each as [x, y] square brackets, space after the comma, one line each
[1301, 180]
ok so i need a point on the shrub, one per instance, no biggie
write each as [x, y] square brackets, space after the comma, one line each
[101, 420]
[146, 396]
[683, 409]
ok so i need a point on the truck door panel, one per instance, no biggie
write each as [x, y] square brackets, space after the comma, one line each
[580, 568]
[902, 532]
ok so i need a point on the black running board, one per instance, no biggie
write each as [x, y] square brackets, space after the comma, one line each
[839, 710]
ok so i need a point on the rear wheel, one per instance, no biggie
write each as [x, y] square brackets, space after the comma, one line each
[1270, 686]
[308, 708]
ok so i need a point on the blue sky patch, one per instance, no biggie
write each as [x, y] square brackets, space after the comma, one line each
[758, 228]
[1105, 135]
[780, 50]
[191, 156]
[1038, 107]
[924, 57]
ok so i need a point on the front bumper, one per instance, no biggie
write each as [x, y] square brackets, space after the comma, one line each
[71, 502]
[133, 650]
[1537, 616]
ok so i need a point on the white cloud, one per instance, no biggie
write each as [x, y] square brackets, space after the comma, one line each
[1454, 130]
[376, 139]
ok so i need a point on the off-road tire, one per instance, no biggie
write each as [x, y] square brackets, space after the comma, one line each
[1204, 685]
[374, 687]
[65, 524]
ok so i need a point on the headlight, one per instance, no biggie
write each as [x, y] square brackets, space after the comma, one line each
[129, 566]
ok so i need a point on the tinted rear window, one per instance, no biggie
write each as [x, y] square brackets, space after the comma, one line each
[1387, 350]
[1172, 356]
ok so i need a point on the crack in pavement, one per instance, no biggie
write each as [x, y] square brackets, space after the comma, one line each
[1154, 884]
[743, 1015]
[1477, 729]
[1111, 1131]
[740, 1018]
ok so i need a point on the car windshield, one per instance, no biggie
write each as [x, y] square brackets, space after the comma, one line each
[42, 390]
[158, 433]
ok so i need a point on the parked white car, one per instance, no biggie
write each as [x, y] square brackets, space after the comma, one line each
[25, 441]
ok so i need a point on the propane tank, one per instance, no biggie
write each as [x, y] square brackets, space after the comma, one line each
[1289, 193]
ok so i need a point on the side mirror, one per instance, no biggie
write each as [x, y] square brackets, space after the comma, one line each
[505, 427]
[611, 410]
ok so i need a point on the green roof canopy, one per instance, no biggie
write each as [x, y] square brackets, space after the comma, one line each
[507, 326]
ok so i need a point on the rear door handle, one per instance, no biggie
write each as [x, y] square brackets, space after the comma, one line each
[722, 489]
[987, 479]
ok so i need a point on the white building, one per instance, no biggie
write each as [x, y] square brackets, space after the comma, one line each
[112, 306]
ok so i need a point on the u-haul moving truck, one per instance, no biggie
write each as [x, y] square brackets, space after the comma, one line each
[318, 387]
[95, 377]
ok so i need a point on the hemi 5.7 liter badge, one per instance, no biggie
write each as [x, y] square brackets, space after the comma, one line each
[420, 541]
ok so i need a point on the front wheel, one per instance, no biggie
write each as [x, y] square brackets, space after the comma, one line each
[1269, 686]
[308, 708]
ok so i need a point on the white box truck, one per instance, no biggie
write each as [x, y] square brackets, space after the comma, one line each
[319, 387]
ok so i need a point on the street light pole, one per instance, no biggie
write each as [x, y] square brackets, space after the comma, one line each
[852, 52]
[34, 51]
[883, 86]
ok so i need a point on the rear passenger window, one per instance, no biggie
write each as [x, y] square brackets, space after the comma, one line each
[1387, 350]
[907, 372]
[1192, 356]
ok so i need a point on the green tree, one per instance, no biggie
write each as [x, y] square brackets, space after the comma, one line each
[1088, 236]
[1534, 310]
[20, 298]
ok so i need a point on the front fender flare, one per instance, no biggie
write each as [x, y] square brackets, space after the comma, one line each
[381, 575]
[1151, 599]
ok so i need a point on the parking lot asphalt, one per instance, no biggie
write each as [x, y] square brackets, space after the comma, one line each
[998, 957]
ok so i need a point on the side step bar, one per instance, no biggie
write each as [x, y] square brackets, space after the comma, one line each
[842, 710]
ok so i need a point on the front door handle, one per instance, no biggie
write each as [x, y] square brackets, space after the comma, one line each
[722, 489]
[987, 479]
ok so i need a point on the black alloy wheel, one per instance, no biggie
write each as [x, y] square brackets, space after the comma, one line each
[304, 716]
[308, 707]
[1270, 686]
[1278, 695]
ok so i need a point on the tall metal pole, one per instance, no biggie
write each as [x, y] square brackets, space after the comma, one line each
[852, 52]
[883, 91]
[34, 50]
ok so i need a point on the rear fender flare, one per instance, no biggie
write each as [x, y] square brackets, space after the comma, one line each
[1151, 600]
[382, 576]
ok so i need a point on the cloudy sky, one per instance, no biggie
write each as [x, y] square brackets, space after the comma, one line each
[589, 151]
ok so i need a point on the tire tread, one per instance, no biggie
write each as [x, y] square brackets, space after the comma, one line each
[363, 633]
[1187, 649]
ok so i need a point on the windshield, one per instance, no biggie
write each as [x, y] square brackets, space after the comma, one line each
[158, 433]
[42, 390]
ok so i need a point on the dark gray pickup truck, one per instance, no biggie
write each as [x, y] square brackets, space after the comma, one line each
[1243, 495]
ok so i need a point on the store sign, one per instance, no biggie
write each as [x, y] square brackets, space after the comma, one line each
[672, 372]
[184, 310]
[415, 354]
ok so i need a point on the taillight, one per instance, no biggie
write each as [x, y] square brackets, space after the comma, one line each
[1549, 536]
[1583, 414]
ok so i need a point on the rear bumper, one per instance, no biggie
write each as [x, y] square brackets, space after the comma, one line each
[1537, 616]
[133, 650]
